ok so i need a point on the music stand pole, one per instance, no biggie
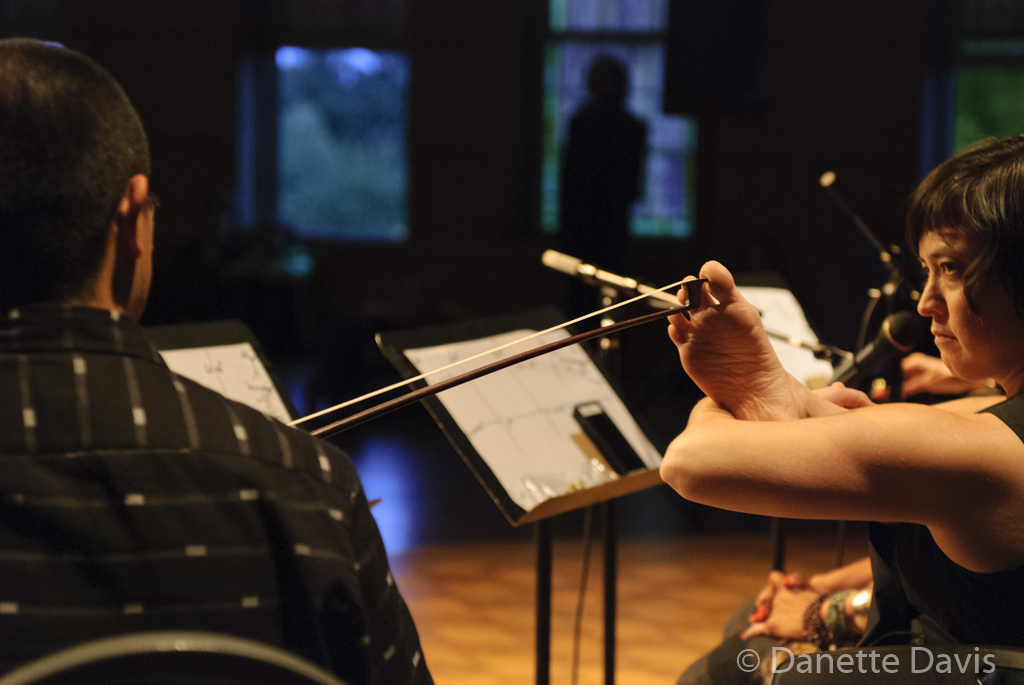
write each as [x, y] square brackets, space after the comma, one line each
[611, 564]
[611, 356]
[544, 553]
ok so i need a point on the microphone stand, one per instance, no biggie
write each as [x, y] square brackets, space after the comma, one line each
[889, 256]
[613, 288]
[901, 283]
[892, 378]
[610, 353]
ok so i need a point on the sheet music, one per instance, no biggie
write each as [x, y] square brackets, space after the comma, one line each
[520, 419]
[781, 312]
[234, 371]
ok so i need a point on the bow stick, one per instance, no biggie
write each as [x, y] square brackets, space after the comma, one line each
[381, 391]
[693, 292]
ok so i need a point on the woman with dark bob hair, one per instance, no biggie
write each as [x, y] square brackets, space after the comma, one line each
[943, 485]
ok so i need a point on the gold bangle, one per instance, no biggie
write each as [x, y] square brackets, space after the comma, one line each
[861, 602]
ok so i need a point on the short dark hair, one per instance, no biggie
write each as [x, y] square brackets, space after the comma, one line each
[69, 142]
[979, 194]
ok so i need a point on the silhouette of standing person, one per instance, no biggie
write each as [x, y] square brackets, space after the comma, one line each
[601, 178]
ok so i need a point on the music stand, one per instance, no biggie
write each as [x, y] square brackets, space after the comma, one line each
[226, 357]
[488, 421]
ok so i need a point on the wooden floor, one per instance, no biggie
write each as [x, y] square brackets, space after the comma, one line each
[469, 577]
[474, 603]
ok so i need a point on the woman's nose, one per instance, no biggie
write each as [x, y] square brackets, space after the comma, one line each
[929, 303]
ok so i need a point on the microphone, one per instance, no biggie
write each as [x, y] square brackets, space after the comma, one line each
[899, 335]
[597, 277]
[661, 300]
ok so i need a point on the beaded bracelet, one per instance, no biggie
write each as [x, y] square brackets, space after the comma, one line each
[815, 631]
[835, 616]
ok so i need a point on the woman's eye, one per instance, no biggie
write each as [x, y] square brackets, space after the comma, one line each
[949, 268]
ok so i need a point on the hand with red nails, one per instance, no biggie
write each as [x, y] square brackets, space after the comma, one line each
[786, 617]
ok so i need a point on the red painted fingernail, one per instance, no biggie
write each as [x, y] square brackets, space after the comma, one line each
[759, 615]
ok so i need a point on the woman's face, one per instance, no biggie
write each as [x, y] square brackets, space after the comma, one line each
[988, 343]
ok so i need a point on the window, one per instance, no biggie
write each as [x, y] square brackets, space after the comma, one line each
[989, 101]
[988, 95]
[632, 31]
[341, 158]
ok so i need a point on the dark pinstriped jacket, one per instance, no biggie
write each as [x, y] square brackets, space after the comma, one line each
[133, 499]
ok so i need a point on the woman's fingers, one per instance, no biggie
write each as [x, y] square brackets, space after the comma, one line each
[755, 629]
[794, 580]
[842, 396]
[758, 616]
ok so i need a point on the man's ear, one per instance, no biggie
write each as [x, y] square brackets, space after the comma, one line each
[132, 202]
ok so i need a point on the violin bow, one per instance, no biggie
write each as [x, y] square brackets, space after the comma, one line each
[660, 292]
[693, 294]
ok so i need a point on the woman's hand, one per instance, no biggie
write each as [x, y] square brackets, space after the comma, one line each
[785, 619]
[777, 580]
[844, 397]
[924, 373]
[856, 574]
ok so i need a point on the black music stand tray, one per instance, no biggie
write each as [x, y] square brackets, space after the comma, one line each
[394, 346]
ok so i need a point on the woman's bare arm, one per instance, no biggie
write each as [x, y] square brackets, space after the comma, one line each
[762, 443]
[958, 473]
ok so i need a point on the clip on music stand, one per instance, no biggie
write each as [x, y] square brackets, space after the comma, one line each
[513, 407]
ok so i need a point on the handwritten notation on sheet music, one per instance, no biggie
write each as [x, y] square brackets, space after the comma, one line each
[234, 371]
[520, 419]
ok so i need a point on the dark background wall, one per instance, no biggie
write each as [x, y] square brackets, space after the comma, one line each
[844, 94]
[843, 86]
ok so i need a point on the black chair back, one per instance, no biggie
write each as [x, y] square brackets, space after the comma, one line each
[171, 658]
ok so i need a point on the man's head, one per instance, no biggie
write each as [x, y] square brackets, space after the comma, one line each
[978, 195]
[608, 80]
[74, 163]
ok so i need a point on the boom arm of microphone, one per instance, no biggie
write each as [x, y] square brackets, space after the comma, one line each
[887, 255]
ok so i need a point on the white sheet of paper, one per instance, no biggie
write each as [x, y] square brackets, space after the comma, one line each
[234, 371]
[520, 419]
[781, 312]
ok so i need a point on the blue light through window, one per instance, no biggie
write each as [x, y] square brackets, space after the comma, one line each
[341, 143]
[632, 31]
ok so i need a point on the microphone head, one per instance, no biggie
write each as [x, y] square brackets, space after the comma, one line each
[560, 262]
[900, 332]
[827, 179]
[904, 329]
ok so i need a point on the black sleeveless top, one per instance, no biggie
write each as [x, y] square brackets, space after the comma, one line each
[920, 592]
